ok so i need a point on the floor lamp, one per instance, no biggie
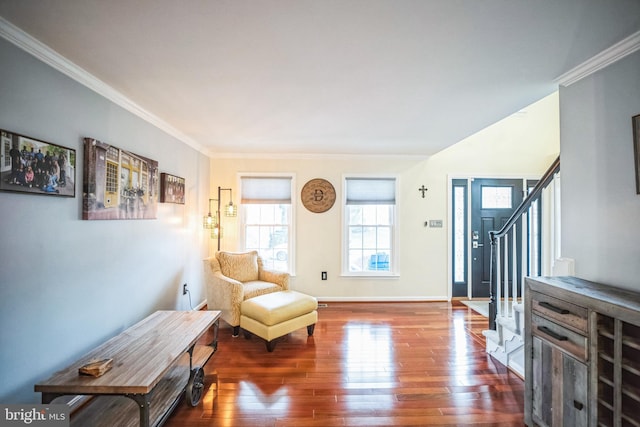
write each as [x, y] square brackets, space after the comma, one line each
[213, 222]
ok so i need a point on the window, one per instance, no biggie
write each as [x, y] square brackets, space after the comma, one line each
[459, 232]
[494, 197]
[267, 219]
[369, 238]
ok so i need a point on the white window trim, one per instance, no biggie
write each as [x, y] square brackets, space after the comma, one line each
[292, 219]
[395, 258]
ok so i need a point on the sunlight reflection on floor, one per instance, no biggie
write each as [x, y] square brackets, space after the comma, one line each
[369, 361]
[255, 400]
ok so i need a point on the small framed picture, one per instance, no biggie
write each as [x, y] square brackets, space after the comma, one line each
[636, 149]
[33, 166]
[171, 189]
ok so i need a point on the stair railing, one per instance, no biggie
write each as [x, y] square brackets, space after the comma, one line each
[520, 239]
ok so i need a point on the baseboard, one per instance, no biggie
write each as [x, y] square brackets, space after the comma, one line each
[383, 299]
[515, 372]
[203, 304]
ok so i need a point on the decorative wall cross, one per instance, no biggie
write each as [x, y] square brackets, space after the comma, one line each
[423, 189]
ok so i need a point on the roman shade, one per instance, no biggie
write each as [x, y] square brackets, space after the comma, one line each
[267, 190]
[371, 191]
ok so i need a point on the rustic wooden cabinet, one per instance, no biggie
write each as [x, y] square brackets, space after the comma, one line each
[583, 342]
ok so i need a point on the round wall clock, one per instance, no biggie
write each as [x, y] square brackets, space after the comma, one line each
[318, 195]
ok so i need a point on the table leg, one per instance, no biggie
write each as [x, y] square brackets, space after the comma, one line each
[144, 402]
[190, 351]
[214, 343]
[48, 397]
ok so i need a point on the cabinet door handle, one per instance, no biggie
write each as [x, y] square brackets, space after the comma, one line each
[552, 307]
[578, 405]
[552, 334]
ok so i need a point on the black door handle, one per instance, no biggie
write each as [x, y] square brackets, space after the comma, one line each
[552, 334]
[554, 308]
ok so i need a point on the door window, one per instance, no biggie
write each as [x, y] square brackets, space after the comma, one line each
[494, 197]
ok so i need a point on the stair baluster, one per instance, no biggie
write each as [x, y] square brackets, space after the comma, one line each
[509, 268]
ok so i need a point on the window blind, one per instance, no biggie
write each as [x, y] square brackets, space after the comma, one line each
[371, 191]
[266, 190]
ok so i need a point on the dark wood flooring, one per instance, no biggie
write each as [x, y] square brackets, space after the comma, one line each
[367, 364]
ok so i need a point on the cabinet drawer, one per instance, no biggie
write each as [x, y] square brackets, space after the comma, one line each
[565, 339]
[564, 313]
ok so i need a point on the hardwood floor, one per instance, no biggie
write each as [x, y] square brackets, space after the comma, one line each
[368, 364]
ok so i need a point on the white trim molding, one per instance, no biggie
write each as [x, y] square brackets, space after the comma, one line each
[44, 53]
[384, 299]
[607, 57]
[318, 156]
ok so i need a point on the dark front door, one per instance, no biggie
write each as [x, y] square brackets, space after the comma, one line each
[492, 203]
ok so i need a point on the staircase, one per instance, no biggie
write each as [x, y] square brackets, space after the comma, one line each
[527, 245]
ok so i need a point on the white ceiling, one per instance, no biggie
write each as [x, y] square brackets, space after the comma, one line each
[328, 76]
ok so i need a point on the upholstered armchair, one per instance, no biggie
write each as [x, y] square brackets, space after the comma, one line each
[231, 278]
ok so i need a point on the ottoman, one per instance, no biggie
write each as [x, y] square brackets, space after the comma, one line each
[273, 315]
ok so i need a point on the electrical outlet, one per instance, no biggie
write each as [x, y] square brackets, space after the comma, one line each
[184, 289]
[324, 275]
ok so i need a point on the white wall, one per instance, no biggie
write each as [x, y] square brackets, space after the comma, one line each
[600, 207]
[66, 284]
[524, 144]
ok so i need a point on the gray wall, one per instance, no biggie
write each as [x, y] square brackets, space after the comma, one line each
[600, 207]
[66, 285]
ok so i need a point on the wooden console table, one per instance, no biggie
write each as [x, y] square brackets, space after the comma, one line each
[154, 362]
[582, 347]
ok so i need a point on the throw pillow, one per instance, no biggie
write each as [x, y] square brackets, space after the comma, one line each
[240, 266]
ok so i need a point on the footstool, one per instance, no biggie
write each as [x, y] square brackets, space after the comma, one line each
[273, 315]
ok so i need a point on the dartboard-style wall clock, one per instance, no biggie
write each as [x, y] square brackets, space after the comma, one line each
[318, 195]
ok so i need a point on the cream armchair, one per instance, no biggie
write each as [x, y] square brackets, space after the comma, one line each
[231, 278]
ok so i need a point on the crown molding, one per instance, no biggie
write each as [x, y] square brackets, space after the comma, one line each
[317, 156]
[44, 53]
[607, 57]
